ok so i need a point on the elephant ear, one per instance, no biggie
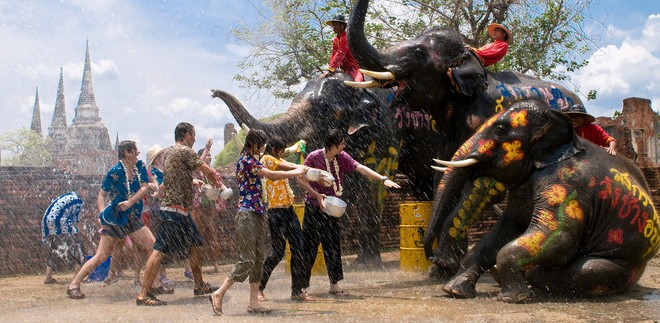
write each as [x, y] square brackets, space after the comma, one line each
[470, 76]
[553, 139]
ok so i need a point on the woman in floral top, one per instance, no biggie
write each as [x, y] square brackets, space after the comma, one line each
[251, 225]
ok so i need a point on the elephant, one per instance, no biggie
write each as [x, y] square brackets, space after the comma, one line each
[578, 221]
[417, 68]
[379, 138]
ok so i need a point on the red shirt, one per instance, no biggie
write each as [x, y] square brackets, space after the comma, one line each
[341, 57]
[595, 134]
[493, 52]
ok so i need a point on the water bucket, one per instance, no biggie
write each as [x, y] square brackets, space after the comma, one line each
[414, 220]
[319, 265]
[100, 273]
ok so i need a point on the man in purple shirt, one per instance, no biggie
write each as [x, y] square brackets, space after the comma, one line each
[319, 227]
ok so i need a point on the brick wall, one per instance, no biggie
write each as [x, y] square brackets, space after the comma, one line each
[26, 192]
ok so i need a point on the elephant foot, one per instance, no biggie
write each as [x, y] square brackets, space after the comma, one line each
[517, 294]
[461, 286]
[439, 273]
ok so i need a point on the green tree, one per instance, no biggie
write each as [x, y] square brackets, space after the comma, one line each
[292, 43]
[27, 147]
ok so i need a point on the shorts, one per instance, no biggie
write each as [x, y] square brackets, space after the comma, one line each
[120, 232]
[64, 251]
[176, 235]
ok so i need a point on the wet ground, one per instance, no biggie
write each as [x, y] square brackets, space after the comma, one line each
[384, 295]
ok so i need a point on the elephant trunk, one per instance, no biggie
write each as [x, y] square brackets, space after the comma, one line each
[447, 197]
[366, 55]
[290, 127]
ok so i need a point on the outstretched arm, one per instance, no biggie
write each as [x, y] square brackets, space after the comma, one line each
[372, 175]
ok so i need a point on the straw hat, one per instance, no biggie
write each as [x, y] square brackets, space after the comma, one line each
[152, 154]
[579, 109]
[493, 26]
[337, 18]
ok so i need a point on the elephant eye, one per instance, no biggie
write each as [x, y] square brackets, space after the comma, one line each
[499, 131]
[418, 53]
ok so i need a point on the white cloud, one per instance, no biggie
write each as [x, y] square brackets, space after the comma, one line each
[628, 69]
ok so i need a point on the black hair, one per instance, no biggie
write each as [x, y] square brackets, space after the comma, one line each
[335, 138]
[200, 152]
[124, 147]
[181, 130]
[273, 146]
[256, 138]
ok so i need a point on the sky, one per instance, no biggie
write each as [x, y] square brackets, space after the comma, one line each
[154, 62]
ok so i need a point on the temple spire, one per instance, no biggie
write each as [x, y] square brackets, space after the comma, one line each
[36, 114]
[58, 128]
[87, 112]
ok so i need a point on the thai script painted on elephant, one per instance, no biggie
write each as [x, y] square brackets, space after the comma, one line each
[414, 119]
[628, 204]
[553, 96]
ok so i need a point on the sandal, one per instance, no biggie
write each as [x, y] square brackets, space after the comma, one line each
[339, 293]
[150, 300]
[50, 280]
[216, 310]
[75, 293]
[161, 290]
[302, 297]
[204, 290]
[258, 310]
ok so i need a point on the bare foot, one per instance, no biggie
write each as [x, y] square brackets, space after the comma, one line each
[261, 297]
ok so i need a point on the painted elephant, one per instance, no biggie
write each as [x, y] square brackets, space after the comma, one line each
[577, 219]
[417, 68]
[379, 139]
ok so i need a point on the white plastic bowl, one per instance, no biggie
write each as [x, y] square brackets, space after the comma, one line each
[334, 206]
[313, 174]
[210, 192]
[227, 194]
[326, 179]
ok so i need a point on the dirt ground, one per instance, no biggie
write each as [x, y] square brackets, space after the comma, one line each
[383, 295]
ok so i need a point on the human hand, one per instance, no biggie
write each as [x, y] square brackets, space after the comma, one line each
[611, 151]
[325, 73]
[209, 143]
[198, 184]
[124, 205]
[391, 184]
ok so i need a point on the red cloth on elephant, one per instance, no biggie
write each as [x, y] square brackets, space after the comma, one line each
[595, 134]
[493, 52]
[341, 57]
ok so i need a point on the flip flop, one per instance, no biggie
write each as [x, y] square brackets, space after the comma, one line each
[216, 310]
[339, 293]
[75, 293]
[259, 310]
[50, 281]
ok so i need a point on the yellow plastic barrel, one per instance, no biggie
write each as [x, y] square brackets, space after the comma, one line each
[414, 220]
[319, 265]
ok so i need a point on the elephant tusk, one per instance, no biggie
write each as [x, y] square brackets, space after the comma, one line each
[460, 163]
[439, 169]
[379, 75]
[362, 85]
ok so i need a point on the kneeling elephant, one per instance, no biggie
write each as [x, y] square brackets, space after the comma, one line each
[577, 221]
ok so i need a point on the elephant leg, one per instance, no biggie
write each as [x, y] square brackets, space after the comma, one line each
[483, 255]
[539, 246]
[591, 276]
[452, 245]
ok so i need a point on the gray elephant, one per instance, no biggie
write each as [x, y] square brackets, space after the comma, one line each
[417, 68]
[577, 220]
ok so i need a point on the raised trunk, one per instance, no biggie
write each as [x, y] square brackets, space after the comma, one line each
[290, 127]
[366, 55]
